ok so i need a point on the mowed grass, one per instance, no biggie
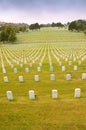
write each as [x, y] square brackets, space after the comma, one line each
[50, 35]
[44, 113]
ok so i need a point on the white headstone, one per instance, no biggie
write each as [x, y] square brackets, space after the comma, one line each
[26, 70]
[9, 95]
[50, 63]
[54, 94]
[31, 94]
[38, 68]
[77, 92]
[21, 79]
[12, 65]
[63, 68]
[70, 62]
[75, 67]
[79, 62]
[40, 64]
[31, 64]
[15, 70]
[33, 61]
[60, 63]
[21, 65]
[4, 70]
[5, 79]
[66, 59]
[68, 76]
[51, 68]
[36, 78]
[83, 75]
[52, 77]
[74, 59]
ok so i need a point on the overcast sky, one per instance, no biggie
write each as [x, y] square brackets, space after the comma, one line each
[42, 11]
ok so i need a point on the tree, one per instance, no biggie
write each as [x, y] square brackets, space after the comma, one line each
[34, 26]
[79, 25]
[85, 32]
[12, 37]
[8, 34]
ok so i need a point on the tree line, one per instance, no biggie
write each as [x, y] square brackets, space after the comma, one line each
[77, 25]
[8, 30]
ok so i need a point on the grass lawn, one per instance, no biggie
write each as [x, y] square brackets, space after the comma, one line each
[47, 46]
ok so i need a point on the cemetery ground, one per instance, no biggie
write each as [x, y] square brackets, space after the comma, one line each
[45, 52]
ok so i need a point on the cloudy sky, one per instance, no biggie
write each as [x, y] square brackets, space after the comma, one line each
[42, 11]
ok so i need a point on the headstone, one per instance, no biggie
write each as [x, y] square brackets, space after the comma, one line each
[60, 63]
[31, 64]
[4, 70]
[54, 94]
[21, 79]
[52, 77]
[83, 75]
[17, 62]
[74, 59]
[21, 65]
[68, 76]
[63, 68]
[31, 94]
[33, 61]
[26, 70]
[79, 62]
[36, 78]
[5, 79]
[51, 68]
[40, 64]
[15, 70]
[75, 67]
[70, 62]
[77, 92]
[50, 63]
[38, 68]
[9, 95]
[12, 65]
[66, 59]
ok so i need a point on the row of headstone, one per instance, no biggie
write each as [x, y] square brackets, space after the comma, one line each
[54, 94]
[16, 70]
[52, 77]
[83, 57]
[24, 59]
[65, 57]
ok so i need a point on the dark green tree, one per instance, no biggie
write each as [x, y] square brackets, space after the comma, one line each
[78, 25]
[8, 34]
[85, 32]
[34, 26]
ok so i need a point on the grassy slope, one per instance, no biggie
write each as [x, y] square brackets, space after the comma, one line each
[51, 35]
[65, 113]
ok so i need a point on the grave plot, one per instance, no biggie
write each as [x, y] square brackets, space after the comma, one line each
[43, 60]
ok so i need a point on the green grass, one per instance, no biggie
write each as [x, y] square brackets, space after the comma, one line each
[44, 113]
[50, 36]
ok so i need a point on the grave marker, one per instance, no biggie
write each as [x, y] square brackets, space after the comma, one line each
[5, 79]
[36, 78]
[52, 77]
[9, 95]
[77, 92]
[21, 79]
[32, 94]
[54, 94]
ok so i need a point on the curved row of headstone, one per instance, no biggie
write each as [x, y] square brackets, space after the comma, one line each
[32, 95]
[36, 77]
[57, 53]
[21, 65]
[23, 59]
